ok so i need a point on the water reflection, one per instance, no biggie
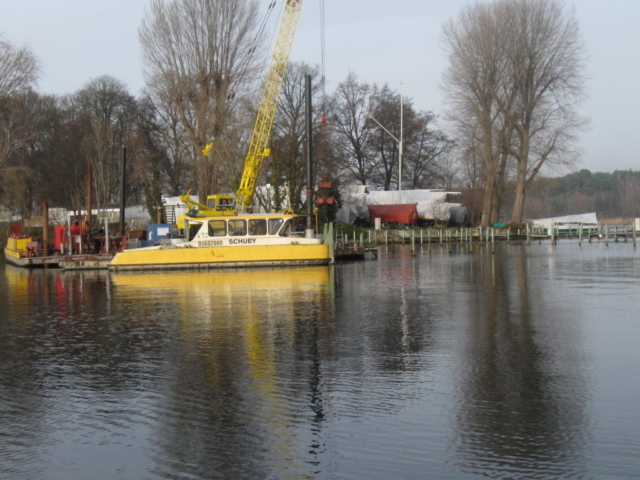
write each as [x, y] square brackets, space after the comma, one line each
[230, 409]
[523, 389]
[440, 364]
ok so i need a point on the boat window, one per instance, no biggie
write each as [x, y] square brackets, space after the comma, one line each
[237, 227]
[286, 229]
[274, 225]
[257, 226]
[193, 230]
[225, 204]
[217, 228]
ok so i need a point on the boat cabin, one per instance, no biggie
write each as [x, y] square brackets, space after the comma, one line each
[230, 229]
[220, 202]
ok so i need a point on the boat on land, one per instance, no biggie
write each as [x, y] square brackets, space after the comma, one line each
[237, 240]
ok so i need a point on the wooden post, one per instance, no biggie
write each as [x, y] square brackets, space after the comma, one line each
[45, 229]
[579, 234]
[493, 240]
[123, 190]
[89, 195]
[106, 233]
[69, 239]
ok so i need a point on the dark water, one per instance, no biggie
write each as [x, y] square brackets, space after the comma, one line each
[518, 365]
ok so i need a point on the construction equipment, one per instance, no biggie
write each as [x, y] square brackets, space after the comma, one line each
[268, 104]
[264, 120]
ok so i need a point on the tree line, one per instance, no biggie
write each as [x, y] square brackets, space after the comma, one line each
[611, 195]
[513, 86]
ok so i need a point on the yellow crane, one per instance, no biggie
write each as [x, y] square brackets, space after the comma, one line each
[268, 104]
[258, 149]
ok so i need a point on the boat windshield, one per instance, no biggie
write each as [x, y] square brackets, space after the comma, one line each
[194, 227]
[285, 231]
[274, 225]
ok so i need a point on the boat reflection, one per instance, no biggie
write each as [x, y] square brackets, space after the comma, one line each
[198, 282]
[238, 338]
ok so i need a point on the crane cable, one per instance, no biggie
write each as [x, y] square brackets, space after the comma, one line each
[322, 51]
[267, 58]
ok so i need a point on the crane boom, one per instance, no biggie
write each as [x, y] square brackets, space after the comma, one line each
[268, 104]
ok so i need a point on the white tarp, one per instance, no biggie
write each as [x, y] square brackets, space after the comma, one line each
[354, 204]
[431, 204]
[135, 213]
[570, 221]
[5, 215]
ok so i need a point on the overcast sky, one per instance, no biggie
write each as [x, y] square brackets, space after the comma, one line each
[78, 40]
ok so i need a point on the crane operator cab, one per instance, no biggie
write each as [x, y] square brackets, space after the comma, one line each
[220, 202]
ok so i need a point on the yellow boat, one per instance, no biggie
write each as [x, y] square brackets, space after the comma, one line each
[241, 240]
[22, 251]
[16, 251]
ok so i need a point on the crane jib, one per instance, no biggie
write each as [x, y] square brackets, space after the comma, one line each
[268, 104]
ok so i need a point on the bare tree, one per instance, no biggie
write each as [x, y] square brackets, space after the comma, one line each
[170, 137]
[350, 121]
[199, 54]
[546, 60]
[477, 69]
[516, 77]
[426, 150]
[287, 165]
[386, 111]
[110, 112]
[48, 160]
[19, 70]
[448, 172]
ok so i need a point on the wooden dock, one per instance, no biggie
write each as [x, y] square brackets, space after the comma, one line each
[68, 262]
[369, 238]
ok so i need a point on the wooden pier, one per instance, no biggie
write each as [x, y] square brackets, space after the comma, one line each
[367, 240]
